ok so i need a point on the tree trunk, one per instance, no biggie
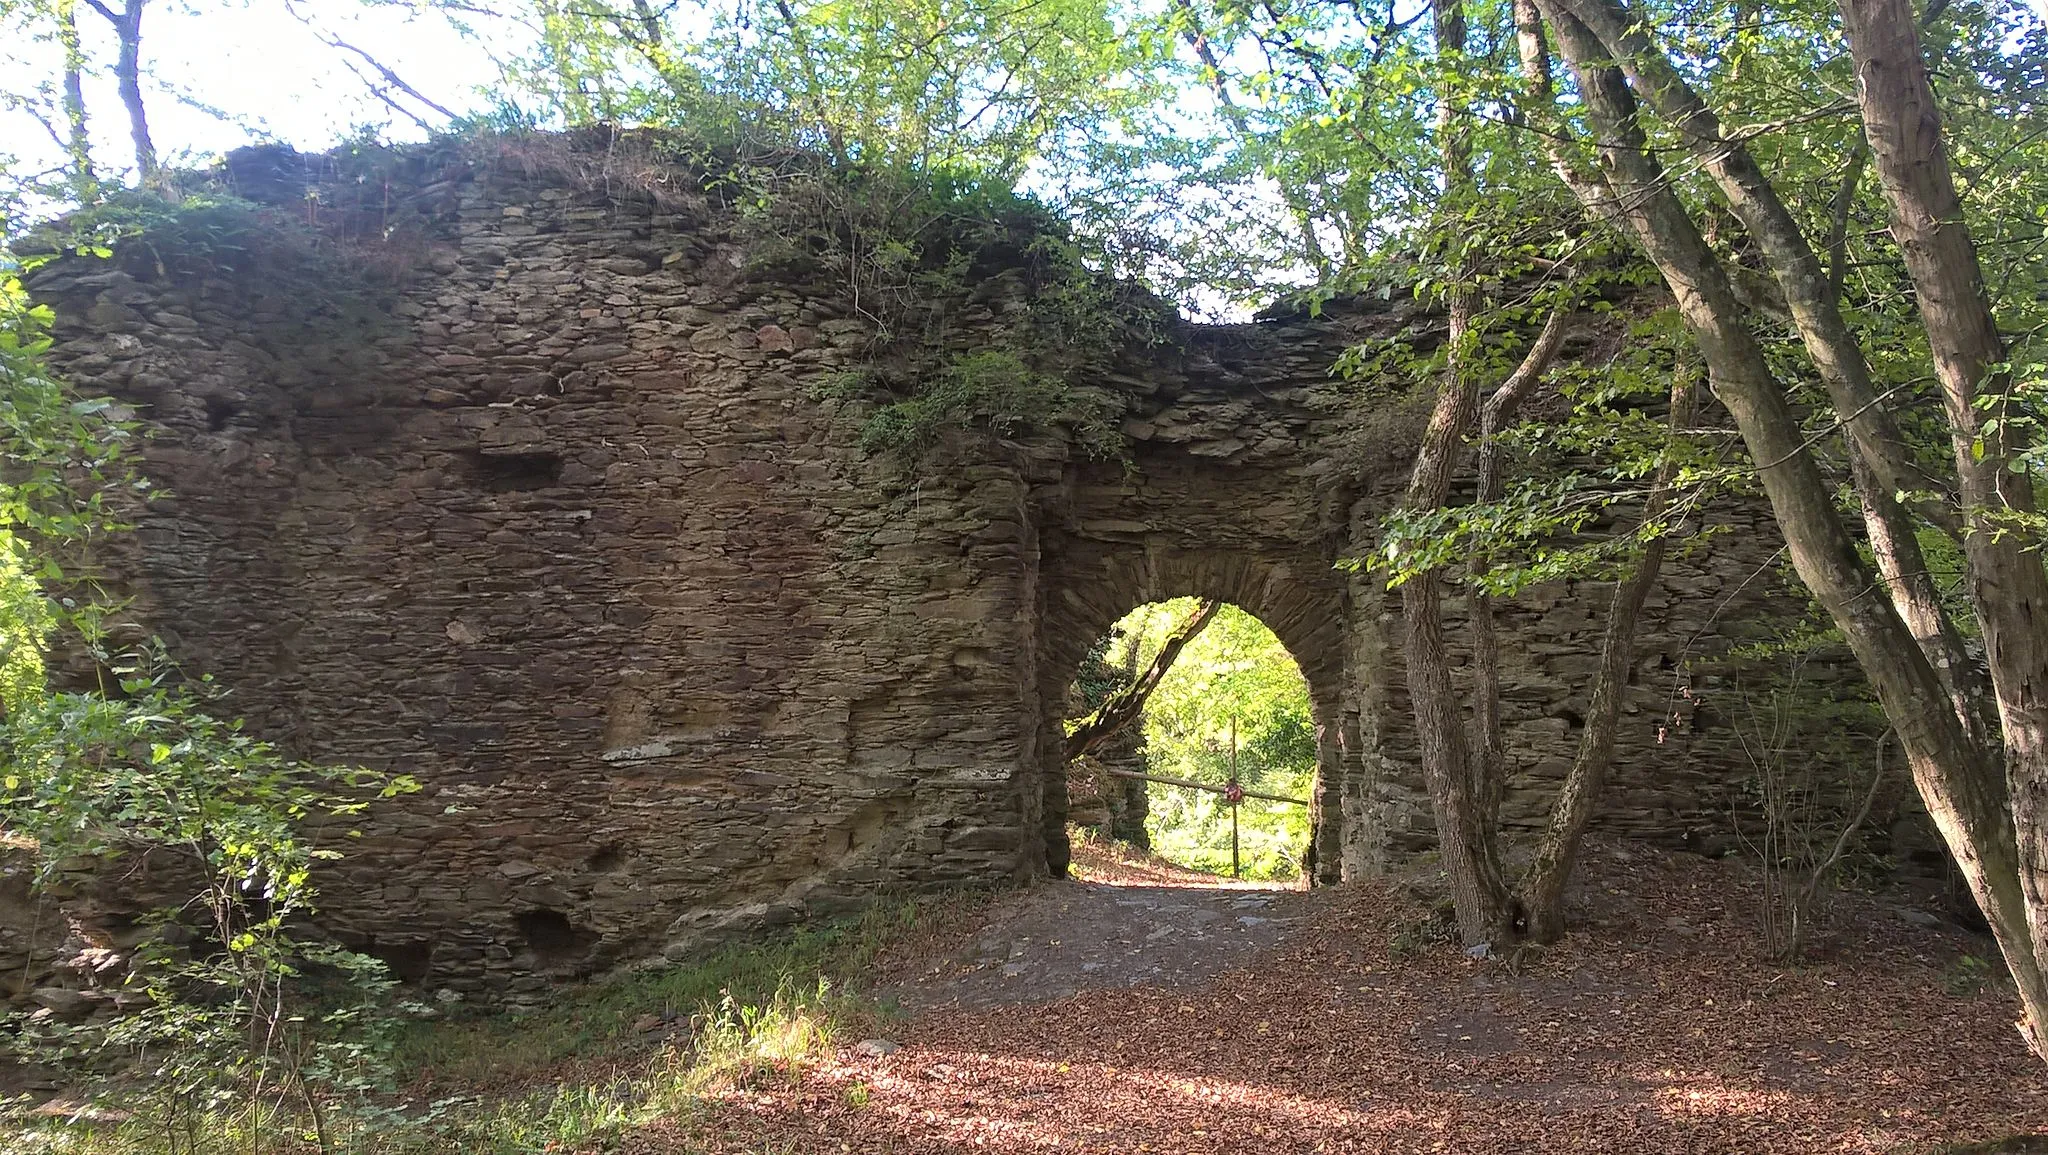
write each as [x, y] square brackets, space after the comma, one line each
[1963, 790]
[1121, 708]
[128, 79]
[1539, 109]
[1467, 843]
[650, 23]
[1489, 771]
[1879, 466]
[2007, 582]
[78, 136]
[1542, 889]
[127, 26]
[1470, 851]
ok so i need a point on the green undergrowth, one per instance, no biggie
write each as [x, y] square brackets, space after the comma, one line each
[602, 1017]
[995, 389]
[297, 292]
[578, 1074]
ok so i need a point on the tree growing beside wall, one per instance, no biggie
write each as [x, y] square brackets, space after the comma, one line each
[1850, 238]
[1974, 747]
[1538, 528]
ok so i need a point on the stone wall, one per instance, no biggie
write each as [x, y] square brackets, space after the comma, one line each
[562, 526]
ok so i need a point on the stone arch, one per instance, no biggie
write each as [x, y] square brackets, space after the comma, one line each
[1304, 604]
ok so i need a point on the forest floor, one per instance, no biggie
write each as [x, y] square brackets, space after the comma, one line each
[1141, 1008]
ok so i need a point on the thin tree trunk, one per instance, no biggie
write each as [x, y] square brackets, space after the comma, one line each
[1489, 770]
[1539, 109]
[1469, 847]
[1542, 889]
[650, 24]
[127, 24]
[1838, 223]
[1540, 893]
[1964, 791]
[2007, 582]
[78, 135]
[1121, 708]
[1804, 900]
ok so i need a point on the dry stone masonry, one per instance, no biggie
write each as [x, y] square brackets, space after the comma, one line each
[569, 525]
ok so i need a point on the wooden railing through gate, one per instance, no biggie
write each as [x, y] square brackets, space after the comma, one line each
[1233, 792]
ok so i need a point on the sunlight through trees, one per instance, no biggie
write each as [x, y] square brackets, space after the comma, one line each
[1235, 670]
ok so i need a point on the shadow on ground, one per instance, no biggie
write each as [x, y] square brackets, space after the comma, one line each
[1338, 1022]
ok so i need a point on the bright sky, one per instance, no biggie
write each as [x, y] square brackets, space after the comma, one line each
[265, 70]
[253, 61]
[223, 73]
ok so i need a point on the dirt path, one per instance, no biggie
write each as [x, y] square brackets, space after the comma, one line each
[1055, 941]
[1137, 1013]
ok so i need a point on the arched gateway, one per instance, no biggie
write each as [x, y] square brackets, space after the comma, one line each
[566, 527]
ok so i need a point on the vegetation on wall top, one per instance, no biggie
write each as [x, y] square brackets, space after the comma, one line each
[983, 307]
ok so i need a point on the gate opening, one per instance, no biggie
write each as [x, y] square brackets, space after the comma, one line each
[1191, 739]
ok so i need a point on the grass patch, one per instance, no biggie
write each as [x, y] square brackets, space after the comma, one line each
[601, 1019]
[573, 1076]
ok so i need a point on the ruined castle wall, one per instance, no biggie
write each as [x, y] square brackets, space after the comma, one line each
[568, 536]
[564, 526]
[1254, 473]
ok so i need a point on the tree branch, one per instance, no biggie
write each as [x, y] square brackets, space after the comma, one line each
[1118, 710]
[1838, 227]
[392, 78]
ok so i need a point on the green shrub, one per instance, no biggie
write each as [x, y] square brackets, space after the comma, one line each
[993, 389]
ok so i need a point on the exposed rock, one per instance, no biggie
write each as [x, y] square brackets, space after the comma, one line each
[65, 1004]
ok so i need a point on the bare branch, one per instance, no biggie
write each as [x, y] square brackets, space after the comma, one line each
[390, 78]
[1118, 710]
